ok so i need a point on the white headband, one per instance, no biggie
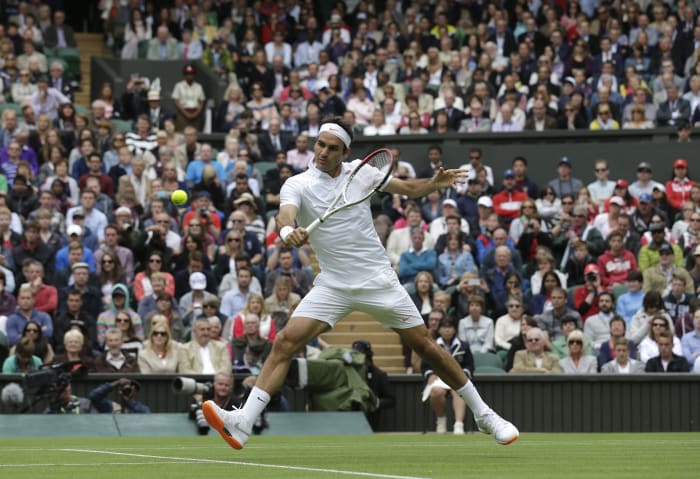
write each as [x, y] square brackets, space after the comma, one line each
[337, 131]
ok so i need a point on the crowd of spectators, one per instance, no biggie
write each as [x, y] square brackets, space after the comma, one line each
[98, 265]
[418, 67]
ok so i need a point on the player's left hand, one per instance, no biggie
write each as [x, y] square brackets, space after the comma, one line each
[450, 178]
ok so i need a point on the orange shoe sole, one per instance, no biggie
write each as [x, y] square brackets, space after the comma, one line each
[215, 421]
[510, 441]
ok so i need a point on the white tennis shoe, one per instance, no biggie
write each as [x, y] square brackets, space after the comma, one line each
[232, 425]
[491, 423]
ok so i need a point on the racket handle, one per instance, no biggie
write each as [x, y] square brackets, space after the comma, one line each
[314, 224]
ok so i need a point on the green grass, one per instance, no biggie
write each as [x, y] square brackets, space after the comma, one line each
[540, 456]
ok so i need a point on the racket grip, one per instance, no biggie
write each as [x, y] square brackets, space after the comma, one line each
[314, 224]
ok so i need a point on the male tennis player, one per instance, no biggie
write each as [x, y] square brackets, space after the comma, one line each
[355, 276]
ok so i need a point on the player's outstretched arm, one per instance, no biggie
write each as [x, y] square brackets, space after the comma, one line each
[416, 187]
[290, 234]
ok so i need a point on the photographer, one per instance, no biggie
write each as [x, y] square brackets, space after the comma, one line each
[202, 209]
[126, 392]
[221, 392]
[586, 296]
[532, 237]
[62, 401]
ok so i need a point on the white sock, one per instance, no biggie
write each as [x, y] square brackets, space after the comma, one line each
[471, 396]
[257, 400]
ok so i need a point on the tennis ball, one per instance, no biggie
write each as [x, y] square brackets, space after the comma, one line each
[179, 197]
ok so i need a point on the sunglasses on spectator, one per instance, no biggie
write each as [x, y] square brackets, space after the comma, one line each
[31, 330]
[122, 320]
[533, 340]
[107, 261]
[576, 341]
[159, 333]
[155, 260]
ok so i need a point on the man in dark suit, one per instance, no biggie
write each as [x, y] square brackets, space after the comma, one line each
[273, 141]
[57, 81]
[503, 38]
[454, 115]
[540, 119]
[532, 35]
[59, 35]
[674, 110]
[607, 55]
[666, 361]
[156, 113]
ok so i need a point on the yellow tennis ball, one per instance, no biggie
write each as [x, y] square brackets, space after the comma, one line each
[179, 197]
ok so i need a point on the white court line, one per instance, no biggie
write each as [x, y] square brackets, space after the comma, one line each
[92, 464]
[240, 463]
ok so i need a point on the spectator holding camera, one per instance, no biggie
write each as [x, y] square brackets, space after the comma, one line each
[126, 397]
[586, 296]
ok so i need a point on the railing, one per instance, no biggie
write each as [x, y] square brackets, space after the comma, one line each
[543, 403]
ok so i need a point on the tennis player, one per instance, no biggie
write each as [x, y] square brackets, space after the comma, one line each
[355, 276]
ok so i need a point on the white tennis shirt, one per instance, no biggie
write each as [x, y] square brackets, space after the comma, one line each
[346, 244]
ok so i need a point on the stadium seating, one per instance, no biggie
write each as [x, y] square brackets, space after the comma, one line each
[264, 166]
[491, 360]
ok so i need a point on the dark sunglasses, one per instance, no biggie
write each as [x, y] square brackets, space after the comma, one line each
[159, 333]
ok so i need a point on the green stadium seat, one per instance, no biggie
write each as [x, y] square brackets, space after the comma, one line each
[143, 49]
[72, 58]
[264, 166]
[488, 370]
[619, 290]
[81, 109]
[487, 360]
[11, 106]
[122, 126]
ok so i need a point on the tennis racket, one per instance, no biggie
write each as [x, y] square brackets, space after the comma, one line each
[364, 181]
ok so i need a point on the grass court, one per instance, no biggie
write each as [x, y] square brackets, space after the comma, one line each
[395, 456]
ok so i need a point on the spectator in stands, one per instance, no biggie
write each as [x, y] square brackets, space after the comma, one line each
[576, 362]
[565, 183]
[300, 278]
[23, 88]
[59, 35]
[46, 100]
[24, 360]
[578, 230]
[475, 329]
[597, 327]
[163, 46]
[622, 363]
[26, 312]
[648, 345]
[135, 31]
[399, 239]
[656, 276]
[616, 263]
[652, 305]
[678, 188]
[435, 389]
[117, 302]
[551, 321]
[534, 359]
[188, 48]
[690, 341]
[668, 360]
[217, 57]
[630, 302]
[675, 110]
[453, 261]
[160, 353]
[201, 355]
[189, 99]
[508, 325]
[282, 299]
[507, 202]
[417, 258]
[113, 360]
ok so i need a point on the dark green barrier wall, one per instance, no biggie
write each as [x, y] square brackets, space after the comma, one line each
[663, 402]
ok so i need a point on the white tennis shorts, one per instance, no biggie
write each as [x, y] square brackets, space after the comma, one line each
[392, 307]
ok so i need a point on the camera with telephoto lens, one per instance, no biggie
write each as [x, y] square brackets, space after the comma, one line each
[46, 383]
[189, 386]
[591, 277]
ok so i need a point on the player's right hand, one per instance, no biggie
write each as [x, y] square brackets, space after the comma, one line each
[298, 237]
